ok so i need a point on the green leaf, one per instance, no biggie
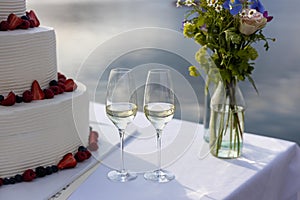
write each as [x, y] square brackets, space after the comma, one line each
[252, 52]
[253, 83]
[232, 36]
[200, 22]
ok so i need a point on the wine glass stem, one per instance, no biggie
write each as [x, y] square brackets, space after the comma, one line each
[159, 134]
[122, 133]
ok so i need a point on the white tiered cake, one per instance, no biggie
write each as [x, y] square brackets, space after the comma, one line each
[41, 132]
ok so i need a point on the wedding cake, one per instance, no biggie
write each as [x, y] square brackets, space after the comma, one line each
[40, 130]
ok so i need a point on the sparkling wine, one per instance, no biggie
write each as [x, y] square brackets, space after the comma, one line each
[159, 114]
[121, 114]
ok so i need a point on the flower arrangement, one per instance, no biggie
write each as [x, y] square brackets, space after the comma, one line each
[227, 29]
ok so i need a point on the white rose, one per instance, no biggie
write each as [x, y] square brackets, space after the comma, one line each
[251, 21]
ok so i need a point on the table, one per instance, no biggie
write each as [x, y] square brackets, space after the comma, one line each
[269, 168]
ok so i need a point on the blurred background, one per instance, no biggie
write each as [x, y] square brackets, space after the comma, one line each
[82, 25]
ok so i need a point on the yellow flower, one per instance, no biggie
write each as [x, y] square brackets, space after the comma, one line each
[193, 71]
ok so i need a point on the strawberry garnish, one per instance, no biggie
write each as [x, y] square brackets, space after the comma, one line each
[28, 175]
[49, 94]
[80, 156]
[9, 100]
[4, 26]
[62, 86]
[36, 91]
[25, 24]
[61, 76]
[14, 21]
[34, 21]
[68, 161]
[27, 96]
[70, 85]
[88, 154]
[55, 89]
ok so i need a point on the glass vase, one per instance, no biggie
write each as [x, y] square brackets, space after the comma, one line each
[227, 120]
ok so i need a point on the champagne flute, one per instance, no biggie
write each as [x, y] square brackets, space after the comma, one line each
[159, 109]
[121, 108]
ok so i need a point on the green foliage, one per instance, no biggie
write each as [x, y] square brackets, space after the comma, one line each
[218, 30]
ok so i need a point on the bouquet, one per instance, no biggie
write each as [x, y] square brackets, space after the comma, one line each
[227, 29]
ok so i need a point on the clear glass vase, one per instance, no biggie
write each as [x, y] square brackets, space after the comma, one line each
[227, 120]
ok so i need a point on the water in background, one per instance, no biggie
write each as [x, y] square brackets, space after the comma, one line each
[82, 25]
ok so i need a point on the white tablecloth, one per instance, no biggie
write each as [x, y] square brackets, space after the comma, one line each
[268, 170]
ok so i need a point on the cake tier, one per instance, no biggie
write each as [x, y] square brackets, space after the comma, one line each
[17, 7]
[27, 55]
[40, 133]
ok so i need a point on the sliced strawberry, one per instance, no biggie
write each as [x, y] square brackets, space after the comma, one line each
[36, 91]
[61, 76]
[25, 24]
[9, 100]
[14, 21]
[68, 161]
[4, 26]
[70, 85]
[34, 21]
[28, 175]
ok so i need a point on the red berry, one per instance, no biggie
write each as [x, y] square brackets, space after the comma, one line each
[27, 96]
[88, 154]
[34, 21]
[4, 26]
[68, 161]
[70, 85]
[25, 24]
[80, 156]
[49, 94]
[9, 100]
[55, 89]
[36, 90]
[28, 175]
[14, 21]
[60, 90]
[62, 86]
[61, 76]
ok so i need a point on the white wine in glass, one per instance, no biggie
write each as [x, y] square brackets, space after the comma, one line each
[121, 109]
[159, 110]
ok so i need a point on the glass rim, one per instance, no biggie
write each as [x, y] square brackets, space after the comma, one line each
[121, 69]
[159, 70]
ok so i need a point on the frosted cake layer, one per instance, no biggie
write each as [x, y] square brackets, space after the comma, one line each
[40, 133]
[17, 7]
[27, 55]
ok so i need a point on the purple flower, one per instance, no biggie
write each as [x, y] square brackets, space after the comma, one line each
[234, 6]
[257, 5]
[269, 18]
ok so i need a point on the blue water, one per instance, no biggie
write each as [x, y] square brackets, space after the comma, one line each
[81, 26]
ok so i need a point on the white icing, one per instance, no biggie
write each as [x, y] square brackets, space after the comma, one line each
[27, 55]
[17, 7]
[40, 133]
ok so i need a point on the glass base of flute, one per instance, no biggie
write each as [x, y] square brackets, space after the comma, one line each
[159, 175]
[121, 176]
